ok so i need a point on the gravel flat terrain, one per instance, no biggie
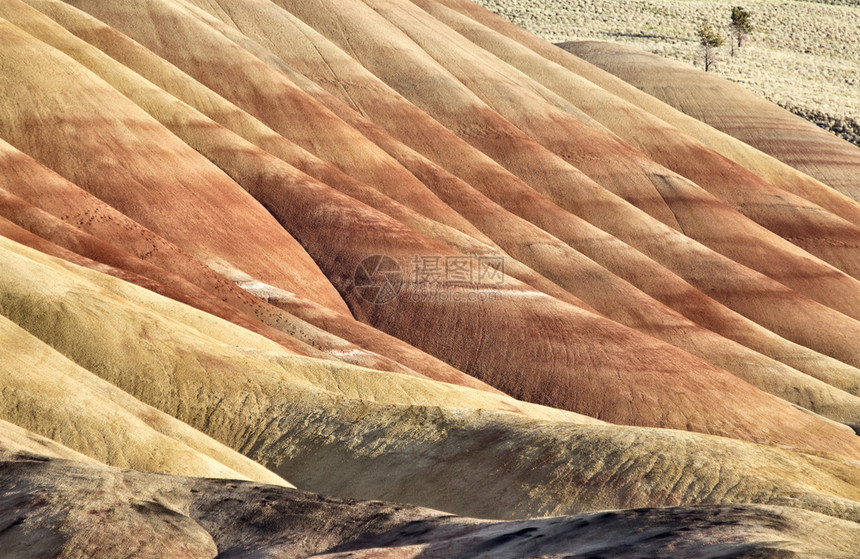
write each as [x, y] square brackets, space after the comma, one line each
[803, 55]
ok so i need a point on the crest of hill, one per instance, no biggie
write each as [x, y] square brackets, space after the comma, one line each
[293, 205]
[345, 430]
[731, 108]
[45, 392]
[777, 173]
[556, 263]
[193, 309]
[51, 500]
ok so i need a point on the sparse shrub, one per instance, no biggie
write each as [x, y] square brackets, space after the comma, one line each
[710, 39]
[741, 26]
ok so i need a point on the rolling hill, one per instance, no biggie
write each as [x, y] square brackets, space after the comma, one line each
[396, 278]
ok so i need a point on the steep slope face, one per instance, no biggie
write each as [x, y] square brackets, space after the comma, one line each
[350, 431]
[38, 382]
[759, 123]
[293, 207]
[804, 225]
[136, 173]
[66, 508]
[777, 173]
[516, 127]
[248, 239]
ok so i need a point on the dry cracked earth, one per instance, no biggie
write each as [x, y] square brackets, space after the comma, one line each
[398, 278]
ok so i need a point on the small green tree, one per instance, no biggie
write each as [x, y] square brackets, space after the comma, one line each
[741, 25]
[710, 39]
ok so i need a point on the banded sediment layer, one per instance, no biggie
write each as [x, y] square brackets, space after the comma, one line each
[387, 277]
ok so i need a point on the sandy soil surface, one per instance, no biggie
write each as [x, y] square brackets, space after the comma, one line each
[803, 55]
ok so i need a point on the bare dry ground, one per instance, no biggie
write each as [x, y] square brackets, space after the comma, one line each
[596, 307]
[57, 507]
[803, 54]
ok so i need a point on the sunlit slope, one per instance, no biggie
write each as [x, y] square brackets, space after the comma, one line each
[306, 50]
[734, 110]
[777, 173]
[46, 393]
[791, 217]
[128, 160]
[19, 441]
[350, 431]
[291, 196]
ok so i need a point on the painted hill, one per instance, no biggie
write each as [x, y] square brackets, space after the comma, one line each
[154, 516]
[734, 110]
[800, 54]
[405, 251]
